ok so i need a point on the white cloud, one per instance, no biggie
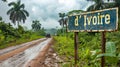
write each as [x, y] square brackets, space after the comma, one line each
[46, 10]
[50, 22]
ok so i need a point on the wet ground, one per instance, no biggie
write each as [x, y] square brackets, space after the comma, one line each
[52, 59]
[23, 55]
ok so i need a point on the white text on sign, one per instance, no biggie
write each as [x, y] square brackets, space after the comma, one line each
[94, 20]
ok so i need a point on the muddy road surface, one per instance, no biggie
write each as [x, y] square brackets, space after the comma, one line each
[21, 55]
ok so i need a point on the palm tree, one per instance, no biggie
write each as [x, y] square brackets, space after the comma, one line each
[62, 21]
[99, 4]
[17, 13]
[36, 26]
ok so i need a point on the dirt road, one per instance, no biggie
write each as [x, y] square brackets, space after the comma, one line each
[22, 55]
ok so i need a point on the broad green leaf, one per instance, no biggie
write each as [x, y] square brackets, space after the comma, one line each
[106, 54]
[110, 47]
[110, 50]
[119, 55]
[110, 58]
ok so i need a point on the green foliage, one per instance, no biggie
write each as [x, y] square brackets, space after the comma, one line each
[36, 26]
[110, 47]
[20, 29]
[2, 37]
[10, 36]
[65, 48]
[89, 49]
[99, 4]
[111, 55]
[117, 4]
[7, 29]
[74, 12]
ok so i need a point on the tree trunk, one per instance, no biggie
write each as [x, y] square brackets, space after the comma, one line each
[18, 24]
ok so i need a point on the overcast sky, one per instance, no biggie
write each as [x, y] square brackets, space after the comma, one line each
[45, 10]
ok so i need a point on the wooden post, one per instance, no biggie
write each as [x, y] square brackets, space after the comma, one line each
[103, 49]
[76, 47]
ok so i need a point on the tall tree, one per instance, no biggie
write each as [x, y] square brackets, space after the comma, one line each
[17, 13]
[36, 26]
[62, 21]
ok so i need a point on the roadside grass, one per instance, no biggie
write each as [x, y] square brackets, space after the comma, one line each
[19, 41]
[64, 46]
[88, 49]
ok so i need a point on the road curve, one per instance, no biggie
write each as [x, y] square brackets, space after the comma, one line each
[23, 55]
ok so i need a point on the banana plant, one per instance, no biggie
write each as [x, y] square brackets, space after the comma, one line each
[111, 55]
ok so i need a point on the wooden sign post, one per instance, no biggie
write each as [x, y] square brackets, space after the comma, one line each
[103, 49]
[76, 46]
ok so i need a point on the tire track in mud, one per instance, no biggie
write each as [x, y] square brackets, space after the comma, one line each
[21, 58]
[13, 52]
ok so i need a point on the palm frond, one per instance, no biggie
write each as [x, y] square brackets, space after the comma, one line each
[10, 10]
[22, 6]
[12, 4]
[90, 8]
[18, 2]
[25, 12]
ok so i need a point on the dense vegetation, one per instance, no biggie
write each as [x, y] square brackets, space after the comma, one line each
[10, 36]
[89, 49]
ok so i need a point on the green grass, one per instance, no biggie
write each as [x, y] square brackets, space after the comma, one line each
[19, 41]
